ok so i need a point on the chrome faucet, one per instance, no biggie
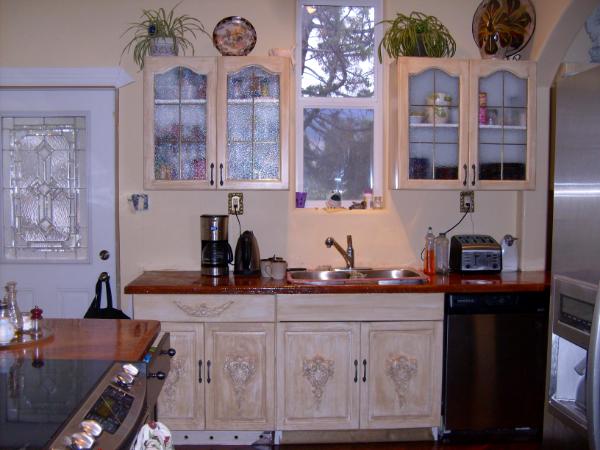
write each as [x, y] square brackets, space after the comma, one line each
[347, 254]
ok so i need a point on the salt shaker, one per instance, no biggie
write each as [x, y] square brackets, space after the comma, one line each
[36, 325]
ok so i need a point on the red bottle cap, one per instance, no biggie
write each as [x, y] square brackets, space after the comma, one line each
[36, 313]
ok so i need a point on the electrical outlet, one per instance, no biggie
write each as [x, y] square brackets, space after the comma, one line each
[235, 203]
[467, 201]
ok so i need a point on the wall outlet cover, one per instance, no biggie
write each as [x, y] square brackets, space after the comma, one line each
[235, 199]
[467, 201]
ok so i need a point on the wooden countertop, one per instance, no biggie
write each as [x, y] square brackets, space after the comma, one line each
[192, 282]
[106, 339]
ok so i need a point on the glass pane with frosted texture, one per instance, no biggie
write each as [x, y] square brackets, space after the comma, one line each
[239, 161]
[266, 162]
[166, 161]
[193, 161]
[490, 135]
[338, 51]
[490, 162]
[422, 134]
[420, 161]
[446, 135]
[446, 162]
[514, 164]
[193, 85]
[516, 117]
[515, 136]
[515, 90]
[420, 86]
[492, 87]
[193, 123]
[253, 121]
[338, 152]
[166, 85]
[44, 189]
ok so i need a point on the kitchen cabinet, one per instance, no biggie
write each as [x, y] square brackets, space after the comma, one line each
[222, 375]
[367, 375]
[440, 137]
[216, 123]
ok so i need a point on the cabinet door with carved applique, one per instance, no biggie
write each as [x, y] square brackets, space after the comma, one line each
[240, 372]
[404, 367]
[318, 375]
[181, 402]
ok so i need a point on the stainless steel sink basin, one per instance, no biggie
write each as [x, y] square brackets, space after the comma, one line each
[370, 276]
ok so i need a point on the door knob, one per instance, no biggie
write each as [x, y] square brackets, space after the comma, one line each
[104, 255]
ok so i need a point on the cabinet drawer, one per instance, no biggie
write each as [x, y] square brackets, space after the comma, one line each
[359, 307]
[205, 308]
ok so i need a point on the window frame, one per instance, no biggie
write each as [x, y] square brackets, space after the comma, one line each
[373, 103]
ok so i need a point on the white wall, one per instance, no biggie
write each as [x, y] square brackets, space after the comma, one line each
[87, 33]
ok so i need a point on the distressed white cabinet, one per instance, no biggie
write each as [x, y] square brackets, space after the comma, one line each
[368, 375]
[460, 124]
[216, 123]
[223, 372]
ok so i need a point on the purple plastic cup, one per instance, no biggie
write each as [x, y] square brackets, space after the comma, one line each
[300, 199]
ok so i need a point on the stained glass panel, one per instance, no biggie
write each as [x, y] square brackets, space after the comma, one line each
[44, 189]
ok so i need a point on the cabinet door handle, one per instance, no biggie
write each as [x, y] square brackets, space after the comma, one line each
[473, 180]
[356, 370]
[212, 178]
[466, 173]
[364, 371]
[200, 371]
[221, 173]
[208, 371]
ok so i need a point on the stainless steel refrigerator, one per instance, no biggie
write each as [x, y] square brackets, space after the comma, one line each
[572, 416]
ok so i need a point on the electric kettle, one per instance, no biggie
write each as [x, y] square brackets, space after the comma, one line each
[247, 256]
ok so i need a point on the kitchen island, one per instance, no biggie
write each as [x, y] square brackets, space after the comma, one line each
[99, 339]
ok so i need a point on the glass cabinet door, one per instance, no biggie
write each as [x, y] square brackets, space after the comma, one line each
[431, 141]
[503, 121]
[433, 125]
[178, 111]
[253, 138]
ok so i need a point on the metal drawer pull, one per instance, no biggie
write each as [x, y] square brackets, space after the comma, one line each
[466, 173]
[200, 371]
[473, 180]
[212, 178]
[208, 371]
[221, 173]
[356, 370]
[364, 371]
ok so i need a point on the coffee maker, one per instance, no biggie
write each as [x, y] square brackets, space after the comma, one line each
[216, 251]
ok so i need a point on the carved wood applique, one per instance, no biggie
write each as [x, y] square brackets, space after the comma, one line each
[202, 310]
[168, 399]
[401, 369]
[317, 371]
[240, 370]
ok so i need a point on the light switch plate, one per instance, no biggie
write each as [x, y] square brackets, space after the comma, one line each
[467, 201]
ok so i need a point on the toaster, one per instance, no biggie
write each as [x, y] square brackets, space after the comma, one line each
[474, 253]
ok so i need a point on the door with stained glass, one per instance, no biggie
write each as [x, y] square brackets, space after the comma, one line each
[58, 195]
[252, 122]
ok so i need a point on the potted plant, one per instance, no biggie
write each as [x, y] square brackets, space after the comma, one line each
[161, 33]
[416, 35]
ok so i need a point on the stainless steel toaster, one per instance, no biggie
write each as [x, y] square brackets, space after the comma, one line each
[475, 253]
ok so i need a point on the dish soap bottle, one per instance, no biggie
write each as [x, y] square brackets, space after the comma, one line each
[429, 253]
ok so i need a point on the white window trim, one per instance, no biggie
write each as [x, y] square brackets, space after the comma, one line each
[375, 103]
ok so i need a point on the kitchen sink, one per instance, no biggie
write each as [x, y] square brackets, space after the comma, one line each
[369, 276]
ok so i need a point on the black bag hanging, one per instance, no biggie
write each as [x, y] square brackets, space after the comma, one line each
[95, 311]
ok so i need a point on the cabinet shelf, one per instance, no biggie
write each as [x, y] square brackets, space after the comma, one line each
[434, 125]
[505, 127]
[238, 101]
[179, 102]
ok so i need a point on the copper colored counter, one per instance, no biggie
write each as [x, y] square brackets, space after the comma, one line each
[191, 282]
[119, 340]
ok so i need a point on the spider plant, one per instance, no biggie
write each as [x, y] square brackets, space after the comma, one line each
[416, 35]
[158, 23]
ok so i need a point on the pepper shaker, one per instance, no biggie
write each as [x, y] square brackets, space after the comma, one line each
[36, 326]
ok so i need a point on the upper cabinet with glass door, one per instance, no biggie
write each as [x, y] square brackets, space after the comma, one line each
[459, 124]
[503, 121]
[252, 122]
[179, 122]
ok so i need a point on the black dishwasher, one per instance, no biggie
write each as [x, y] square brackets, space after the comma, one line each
[494, 363]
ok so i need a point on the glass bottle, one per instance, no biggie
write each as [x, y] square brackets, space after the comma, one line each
[7, 329]
[441, 254]
[13, 306]
[429, 254]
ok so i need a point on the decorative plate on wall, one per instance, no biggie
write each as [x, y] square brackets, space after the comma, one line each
[234, 36]
[502, 28]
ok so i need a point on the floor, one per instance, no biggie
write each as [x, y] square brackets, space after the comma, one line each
[383, 446]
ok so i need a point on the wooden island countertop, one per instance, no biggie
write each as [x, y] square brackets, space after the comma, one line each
[192, 282]
[106, 339]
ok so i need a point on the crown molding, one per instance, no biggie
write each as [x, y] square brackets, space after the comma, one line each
[64, 76]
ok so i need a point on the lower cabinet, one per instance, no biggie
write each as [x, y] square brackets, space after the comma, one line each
[221, 378]
[348, 375]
